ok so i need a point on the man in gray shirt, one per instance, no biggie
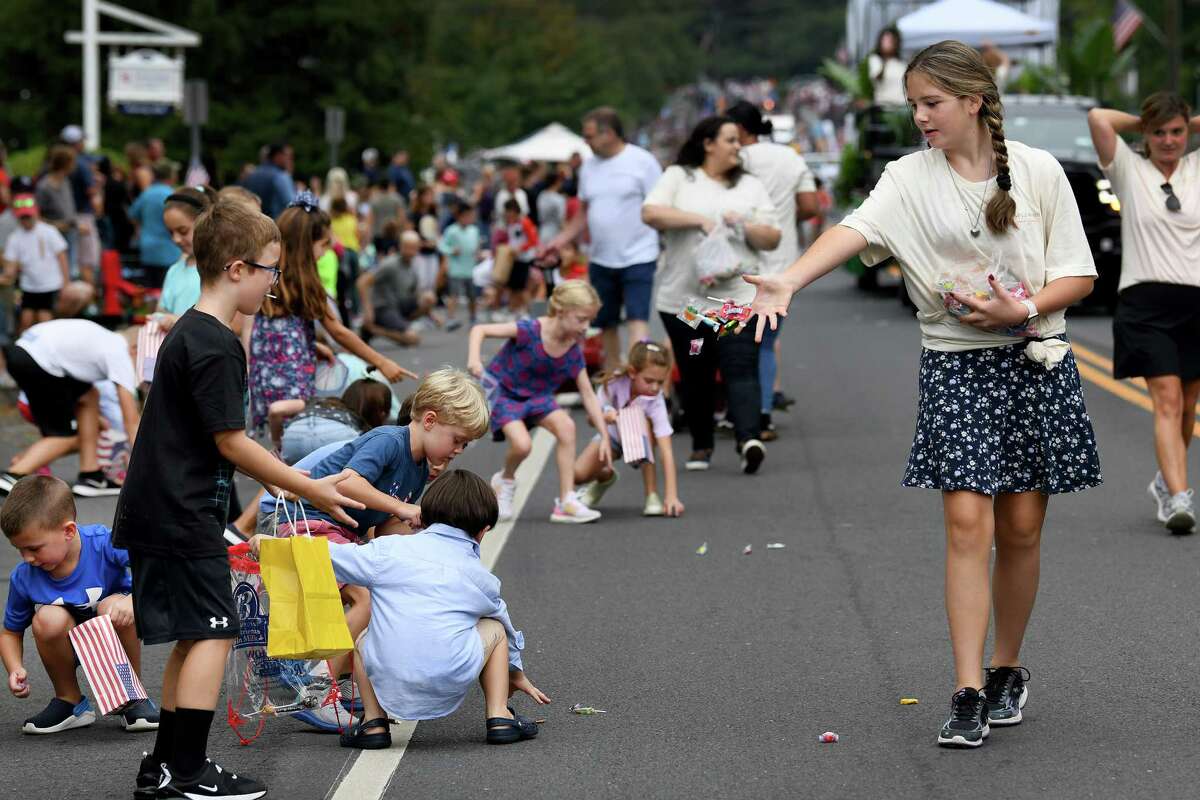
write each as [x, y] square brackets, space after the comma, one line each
[391, 300]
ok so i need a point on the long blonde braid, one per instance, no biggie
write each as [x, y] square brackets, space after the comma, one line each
[1001, 209]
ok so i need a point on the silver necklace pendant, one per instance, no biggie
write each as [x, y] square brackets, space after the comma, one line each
[974, 233]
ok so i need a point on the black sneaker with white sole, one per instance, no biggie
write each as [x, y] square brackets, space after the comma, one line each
[968, 723]
[95, 484]
[141, 716]
[60, 715]
[149, 777]
[8, 480]
[752, 452]
[1006, 694]
[209, 783]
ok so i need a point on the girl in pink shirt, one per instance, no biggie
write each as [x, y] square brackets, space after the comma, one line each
[639, 386]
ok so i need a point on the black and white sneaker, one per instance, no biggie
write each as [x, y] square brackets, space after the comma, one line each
[968, 723]
[1006, 694]
[752, 453]
[209, 783]
[149, 777]
[95, 484]
[8, 480]
[141, 716]
[60, 716]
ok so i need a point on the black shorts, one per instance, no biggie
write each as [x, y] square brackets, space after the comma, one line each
[518, 279]
[1156, 331]
[38, 301]
[182, 599]
[52, 400]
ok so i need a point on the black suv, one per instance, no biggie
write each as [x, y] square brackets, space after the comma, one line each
[1058, 124]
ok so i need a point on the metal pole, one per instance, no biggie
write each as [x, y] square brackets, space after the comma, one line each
[1172, 26]
[333, 154]
[91, 74]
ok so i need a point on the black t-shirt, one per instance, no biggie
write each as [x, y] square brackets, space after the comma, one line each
[176, 496]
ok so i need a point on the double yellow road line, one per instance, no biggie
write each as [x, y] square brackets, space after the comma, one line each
[1096, 368]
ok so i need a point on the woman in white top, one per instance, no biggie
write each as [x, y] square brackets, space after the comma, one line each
[886, 69]
[1156, 330]
[793, 191]
[707, 184]
[1001, 423]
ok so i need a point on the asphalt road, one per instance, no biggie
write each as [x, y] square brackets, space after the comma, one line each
[720, 671]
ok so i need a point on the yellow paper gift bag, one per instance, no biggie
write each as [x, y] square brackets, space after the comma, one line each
[306, 619]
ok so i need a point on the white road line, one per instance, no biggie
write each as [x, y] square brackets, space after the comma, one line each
[371, 773]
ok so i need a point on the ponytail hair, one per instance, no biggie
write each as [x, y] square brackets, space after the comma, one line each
[643, 354]
[959, 70]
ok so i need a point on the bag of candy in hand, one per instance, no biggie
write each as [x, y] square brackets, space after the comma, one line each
[724, 254]
[973, 282]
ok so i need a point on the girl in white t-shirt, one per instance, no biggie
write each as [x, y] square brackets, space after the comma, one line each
[1001, 423]
[1156, 330]
[704, 186]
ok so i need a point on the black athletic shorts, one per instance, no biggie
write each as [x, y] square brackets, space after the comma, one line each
[38, 301]
[518, 279]
[52, 400]
[182, 599]
[1156, 331]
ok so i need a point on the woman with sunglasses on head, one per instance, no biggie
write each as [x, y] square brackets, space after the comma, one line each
[1156, 329]
[282, 340]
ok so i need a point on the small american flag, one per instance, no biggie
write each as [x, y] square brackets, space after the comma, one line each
[106, 665]
[150, 338]
[1126, 19]
[635, 440]
[197, 175]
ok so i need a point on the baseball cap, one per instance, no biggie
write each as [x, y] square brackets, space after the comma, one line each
[72, 134]
[24, 205]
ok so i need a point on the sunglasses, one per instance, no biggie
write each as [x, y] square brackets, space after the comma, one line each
[1172, 201]
[274, 270]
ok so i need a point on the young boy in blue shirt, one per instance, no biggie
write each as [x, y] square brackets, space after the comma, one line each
[172, 511]
[438, 623]
[69, 575]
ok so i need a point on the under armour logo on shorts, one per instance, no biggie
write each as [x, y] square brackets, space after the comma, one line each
[214, 622]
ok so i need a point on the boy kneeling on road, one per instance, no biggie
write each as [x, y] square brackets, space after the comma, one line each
[69, 575]
[438, 623]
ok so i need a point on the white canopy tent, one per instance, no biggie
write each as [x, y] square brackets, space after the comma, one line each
[554, 142]
[974, 22]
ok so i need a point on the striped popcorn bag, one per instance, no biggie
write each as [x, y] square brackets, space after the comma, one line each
[150, 338]
[635, 438]
[106, 665]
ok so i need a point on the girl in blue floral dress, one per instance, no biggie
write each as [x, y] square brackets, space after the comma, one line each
[540, 356]
[282, 341]
[1001, 420]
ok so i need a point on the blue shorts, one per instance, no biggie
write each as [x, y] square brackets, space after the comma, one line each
[630, 286]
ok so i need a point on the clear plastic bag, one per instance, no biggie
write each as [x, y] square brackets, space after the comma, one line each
[258, 686]
[972, 281]
[724, 254]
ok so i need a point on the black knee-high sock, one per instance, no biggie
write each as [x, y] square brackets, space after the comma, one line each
[191, 740]
[164, 743]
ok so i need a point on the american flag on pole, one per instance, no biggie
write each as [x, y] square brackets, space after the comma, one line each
[150, 338]
[106, 665]
[635, 439]
[1126, 19]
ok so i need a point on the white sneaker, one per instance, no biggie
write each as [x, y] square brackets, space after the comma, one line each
[654, 506]
[505, 489]
[1181, 517]
[1161, 494]
[592, 492]
[573, 510]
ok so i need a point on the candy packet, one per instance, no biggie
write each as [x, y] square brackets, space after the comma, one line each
[972, 281]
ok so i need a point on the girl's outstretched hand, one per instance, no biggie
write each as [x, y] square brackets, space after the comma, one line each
[518, 682]
[475, 367]
[396, 373]
[673, 507]
[772, 296]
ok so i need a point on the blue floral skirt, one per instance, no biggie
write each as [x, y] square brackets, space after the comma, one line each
[992, 421]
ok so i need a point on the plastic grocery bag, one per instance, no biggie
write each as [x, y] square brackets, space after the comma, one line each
[307, 620]
[724, 254]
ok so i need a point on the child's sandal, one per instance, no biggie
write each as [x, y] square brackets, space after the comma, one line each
[356, 738]
[502, 730]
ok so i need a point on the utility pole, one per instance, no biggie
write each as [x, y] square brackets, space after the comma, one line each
[1173, 61]
[335, 131]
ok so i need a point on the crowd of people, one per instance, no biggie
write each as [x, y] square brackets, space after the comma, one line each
[272, 293]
